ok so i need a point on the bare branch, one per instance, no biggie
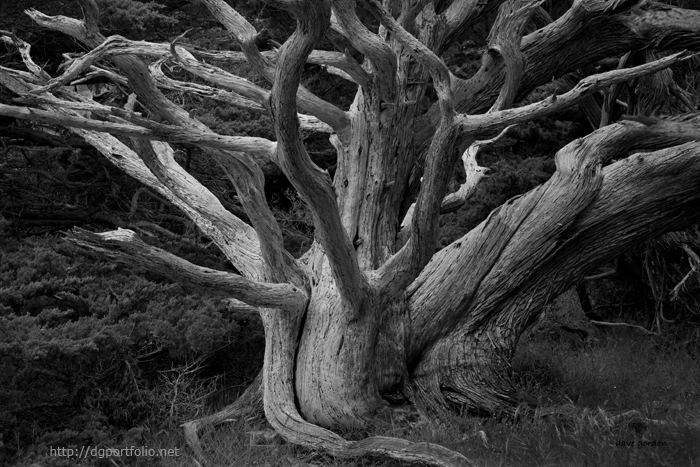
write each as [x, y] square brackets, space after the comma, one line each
[610, 96]
[313, 184]
[461, 11]
[494, 120]
[672, 21]
[112, 46]
[125, 246]
[242, 171]
[337, 61]
[420, 246]
[418, 50]
[694, 263]
[96, 72]
[307, 122]
[116, 45]
[601, 275]
[634, 326]
[654, 25]
[686, 129]
[230, 57]
[171, 175]
[248, 179]
[548, 223]
[175, 134]
[237, 240]
[24, 51]
[324, 111]
[369, 44]
[563, 46]
[233, 98]
[239, 85]
[473, 173]
[245, 34]
[504, 41]
[218, 76]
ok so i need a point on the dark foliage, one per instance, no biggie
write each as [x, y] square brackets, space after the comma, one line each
[91, 349]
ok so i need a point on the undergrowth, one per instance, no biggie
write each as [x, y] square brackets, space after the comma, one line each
[93, 355]
[623, 400]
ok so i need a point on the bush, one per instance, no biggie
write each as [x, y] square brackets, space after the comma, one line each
[90, 349]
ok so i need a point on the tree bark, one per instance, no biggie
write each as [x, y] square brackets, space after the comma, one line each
[372, 308]
[494, 309]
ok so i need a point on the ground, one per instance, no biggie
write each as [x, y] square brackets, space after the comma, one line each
[620, 399]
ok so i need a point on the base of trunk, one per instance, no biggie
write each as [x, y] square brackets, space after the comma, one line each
[478, 380]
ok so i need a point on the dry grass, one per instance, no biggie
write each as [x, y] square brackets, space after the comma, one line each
[623, 401]
[627, 400]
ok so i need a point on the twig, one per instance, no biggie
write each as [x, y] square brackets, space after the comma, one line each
[694, 261]
[636, 326]
[601, 275]
[150, 225]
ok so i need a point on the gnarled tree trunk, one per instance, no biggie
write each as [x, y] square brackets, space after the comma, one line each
[372, 308]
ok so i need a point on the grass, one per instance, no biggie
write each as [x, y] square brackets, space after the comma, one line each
[623, 400]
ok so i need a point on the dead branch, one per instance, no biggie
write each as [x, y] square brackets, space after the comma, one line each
[488, 122]
[635, 326]
[474, 174]
[313, 184]
[259, 146]
[125, 246]
[460, 12]
[247, 180]
[504, 42]
[587, 193]
[236, 239]
[340, 64]
[308, 122]
[405, 265]
[246, 34]
[694, 263]
[368, 43]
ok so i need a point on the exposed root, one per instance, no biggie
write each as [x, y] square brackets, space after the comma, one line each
[409, 452]
[296, 430]
[421, 453]
[249, 403]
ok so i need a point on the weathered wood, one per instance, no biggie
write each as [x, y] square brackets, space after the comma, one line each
[364, 311]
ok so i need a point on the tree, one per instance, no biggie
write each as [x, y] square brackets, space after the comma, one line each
[372, 308]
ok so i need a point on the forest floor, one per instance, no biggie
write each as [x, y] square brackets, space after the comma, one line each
[623, 399]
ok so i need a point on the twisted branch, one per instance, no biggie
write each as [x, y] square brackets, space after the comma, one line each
[125, 246]
[245, 34]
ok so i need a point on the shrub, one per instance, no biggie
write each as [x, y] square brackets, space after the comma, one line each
[90, 349]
